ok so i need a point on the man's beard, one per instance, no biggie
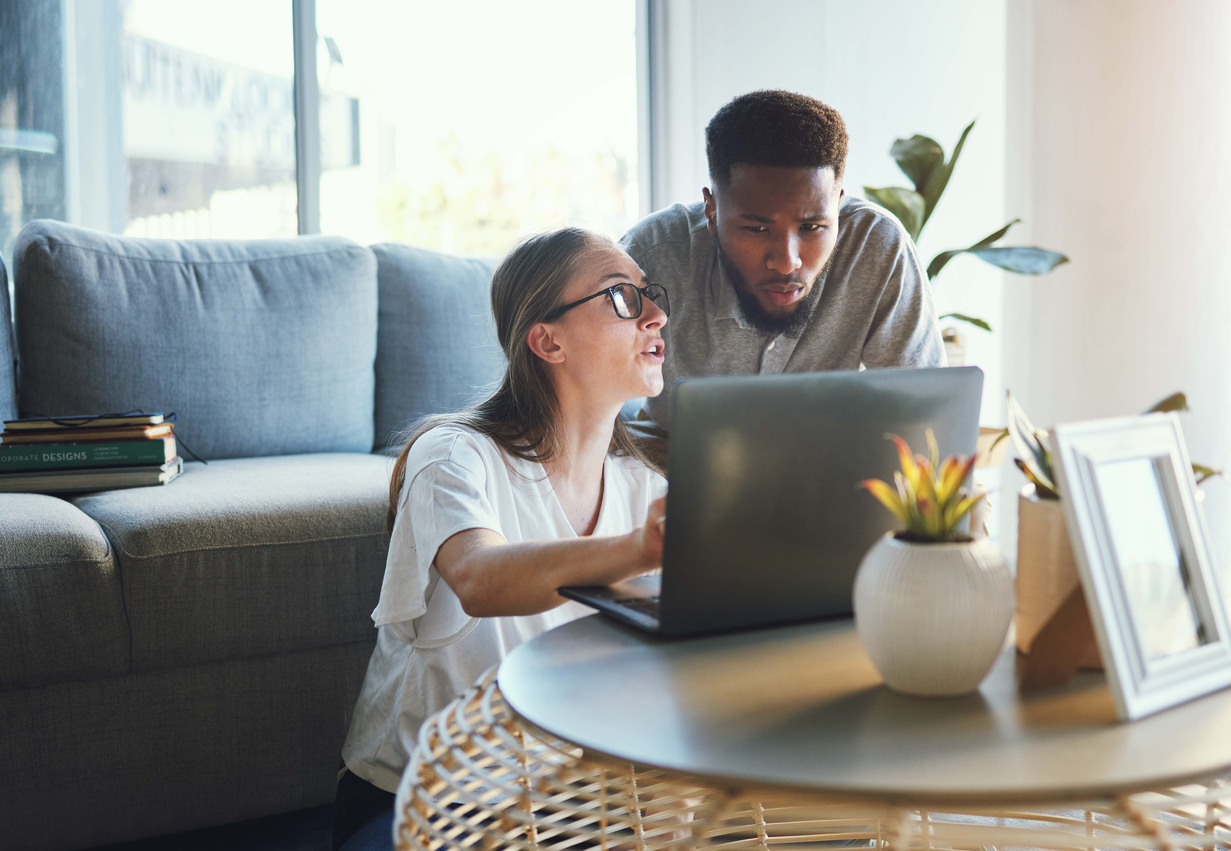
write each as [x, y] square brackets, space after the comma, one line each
[756, 316]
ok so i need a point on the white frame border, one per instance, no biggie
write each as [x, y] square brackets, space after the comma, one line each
[1141, 686]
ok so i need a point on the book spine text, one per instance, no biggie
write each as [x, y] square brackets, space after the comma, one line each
[59, 456]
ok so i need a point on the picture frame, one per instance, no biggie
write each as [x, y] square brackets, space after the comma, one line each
[1141, 547]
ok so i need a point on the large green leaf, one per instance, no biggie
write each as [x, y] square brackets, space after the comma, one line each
[906, 204]
[940, 178]
[994, 236]
[979, 323]
[1025, 260]
[918, 157]
[939, 261]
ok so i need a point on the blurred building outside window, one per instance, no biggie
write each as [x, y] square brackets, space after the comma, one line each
[477, 122]
[209, 119]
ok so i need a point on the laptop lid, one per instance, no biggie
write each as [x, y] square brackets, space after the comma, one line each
[765, 520]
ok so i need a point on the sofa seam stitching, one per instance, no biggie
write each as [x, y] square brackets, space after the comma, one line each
[108, 532]
[179, 667]
[127, 554]
[349, 249]
[98, 562]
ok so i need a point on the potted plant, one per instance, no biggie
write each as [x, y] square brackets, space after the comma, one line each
[1046, 575]
[922, 159]
[932, 604]
[1047, 583]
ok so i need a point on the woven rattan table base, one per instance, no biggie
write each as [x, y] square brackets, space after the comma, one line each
[483, 778]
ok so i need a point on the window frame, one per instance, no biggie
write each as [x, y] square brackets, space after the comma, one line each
[307, 119]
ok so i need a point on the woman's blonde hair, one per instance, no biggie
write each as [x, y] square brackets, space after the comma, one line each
[521, 416]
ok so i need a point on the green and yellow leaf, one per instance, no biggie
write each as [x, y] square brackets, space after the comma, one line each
[956, 477]
[958, 511]
[887, 496]
[933, 448]
[926, 495]
[907, 459]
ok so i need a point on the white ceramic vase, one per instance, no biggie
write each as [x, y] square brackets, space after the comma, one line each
[933, 617]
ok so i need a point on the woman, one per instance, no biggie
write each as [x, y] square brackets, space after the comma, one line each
[538, 487]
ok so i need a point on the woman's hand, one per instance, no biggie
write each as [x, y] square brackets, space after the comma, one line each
[650, 536]
[495, 578]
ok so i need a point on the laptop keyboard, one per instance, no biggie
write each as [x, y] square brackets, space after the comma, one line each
[645, 605]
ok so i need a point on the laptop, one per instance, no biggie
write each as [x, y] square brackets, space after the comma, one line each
[765, 522]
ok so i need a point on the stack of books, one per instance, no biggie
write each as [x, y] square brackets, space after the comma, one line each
[59, 454]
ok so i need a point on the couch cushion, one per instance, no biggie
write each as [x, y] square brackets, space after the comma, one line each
[8, 355]
[114, 760]
[436, 344]
[252, 556]
[261, 347]
[61, 608]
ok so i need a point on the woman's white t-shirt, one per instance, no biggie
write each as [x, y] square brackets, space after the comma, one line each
[428, 650]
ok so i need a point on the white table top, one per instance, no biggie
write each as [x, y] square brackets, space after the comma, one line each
[802, 707]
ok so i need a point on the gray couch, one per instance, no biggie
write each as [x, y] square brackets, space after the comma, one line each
[189, 655]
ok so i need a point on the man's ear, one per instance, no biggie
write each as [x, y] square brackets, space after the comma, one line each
[542, 341]
[711, 209]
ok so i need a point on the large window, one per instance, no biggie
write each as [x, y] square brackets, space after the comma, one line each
[477, 122]
[456, 126]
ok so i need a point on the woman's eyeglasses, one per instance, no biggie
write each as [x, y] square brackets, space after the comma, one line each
[625, 298]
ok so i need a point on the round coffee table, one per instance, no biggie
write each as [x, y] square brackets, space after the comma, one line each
[756, 739]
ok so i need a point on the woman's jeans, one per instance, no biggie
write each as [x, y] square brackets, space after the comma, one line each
[362, 816]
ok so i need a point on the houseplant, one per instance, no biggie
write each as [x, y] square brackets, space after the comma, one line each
[932, 605]
[1047, 577]
[1034, 456]
[922, 159]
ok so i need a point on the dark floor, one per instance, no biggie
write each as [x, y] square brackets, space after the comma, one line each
[305, 830]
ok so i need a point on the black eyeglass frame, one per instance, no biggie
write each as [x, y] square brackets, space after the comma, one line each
[642, 294]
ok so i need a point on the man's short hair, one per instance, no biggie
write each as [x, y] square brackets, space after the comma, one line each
[775, 128]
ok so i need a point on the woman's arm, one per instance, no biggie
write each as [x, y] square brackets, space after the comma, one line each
[494, 578]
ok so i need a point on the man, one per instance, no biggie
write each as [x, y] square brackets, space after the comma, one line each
[777, 270]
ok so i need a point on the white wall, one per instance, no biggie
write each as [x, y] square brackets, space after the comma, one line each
[1120, 152]
[892, 68]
